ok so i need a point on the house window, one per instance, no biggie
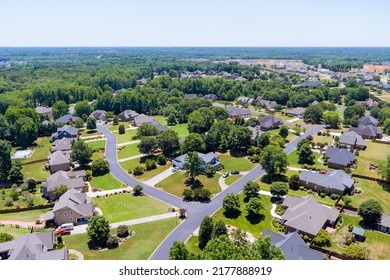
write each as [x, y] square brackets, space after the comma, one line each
[71, 219]
[65, 213]
[71, 213]
[57, 213]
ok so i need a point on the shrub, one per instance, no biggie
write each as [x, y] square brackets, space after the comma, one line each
[161, 160]
[309, 191]
[348, 241]
[334, 196]
[30, 202]
[347, 200]
[137, 190]
[100, 167]
[322, 238]
[350, 227]
[14, 195]
[210, 171]
[322, 195]
[255, 158]
[138, 170]
[8, 203]
[150, 164]
[5, 237]
[187, 194]
[301, 188]
[112, 241]
[121, 129]
[122, 231]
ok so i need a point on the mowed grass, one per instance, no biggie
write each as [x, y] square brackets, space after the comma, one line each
[253, 225]
[161, 119]
[113, 128]
[38, 200]
[377, 242]
[372, 190]
[192, 245]
[128, 166]
[128, 151]
[90, 132]
[181, 129]
[139, 247]
[99, 144]
[41, 149]
[35, 170]
[125, 207]
[25, 216]
[323, 139]
[15, 232]
[98, 155]
[231, 163]
[292, 159]
[232, 178]
[375, 152]
[175, 184]
[126, 137]
[105, 182]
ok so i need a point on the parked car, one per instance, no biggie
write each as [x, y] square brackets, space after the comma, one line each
[68, 226]
[158, 150]
[226, 174]
[234, 172]
[175, 168]
[62, 231]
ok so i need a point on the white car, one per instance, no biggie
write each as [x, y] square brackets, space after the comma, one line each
[175, 168]
[226, 174]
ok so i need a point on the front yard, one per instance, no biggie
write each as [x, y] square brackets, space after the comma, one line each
[98, 144]
[105, 182]
[231, 163]
[246, 223]
[126, 137]
[231, 179]
[147, 238]
[175, 185]
[128, 151]
[375, 152]
[125, 207]
[292, 159]
[128, 165]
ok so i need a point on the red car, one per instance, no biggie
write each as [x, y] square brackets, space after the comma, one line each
[62, 231]
[158, 150]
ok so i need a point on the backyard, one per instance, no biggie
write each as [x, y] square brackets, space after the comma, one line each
[375, 152]
[175, 185]
[231, 163]
[24, 216]
[38, 200]
[139, 247]
[125, 207]
[35, 170]
[41, 150]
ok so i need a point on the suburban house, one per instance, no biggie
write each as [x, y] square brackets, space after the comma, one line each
[73, 180]
[384, 224]
[141, 119]
[296, 112]
[67, 119]
[42, 111]
[236, 112]
[335, 182]
[270, 122]
[312, 82]
[244, 100]
[368, 120]
[369, 103]
[159, 126]
[256, 133]
[65, 132]
[211, 97]
[207, 159]
[64, 144]
[142, 81]
[269, 105]
[99, 115]
[339, 158]
[72, 207]
[352, 140]
[190, 95]
[128, 115]
[293, 246]
[367, 131]
[59, 161]
[307, 216]
[33, 246]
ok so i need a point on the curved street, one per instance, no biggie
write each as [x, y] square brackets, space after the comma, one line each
[195, 211]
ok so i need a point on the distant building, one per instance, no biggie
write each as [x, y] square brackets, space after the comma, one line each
[65, 132]
[67, 119]
[141, 119]
[99, 115]
[368, 120]
[142, 82]
[236, 112]
[44, 111]
[384, 223]
[352, 140]
[256, 133]
[128, 115]
[266, 104]
[64, 144]
[296, 112]
[33, 246]
[159, 126]
[312, 82]
[367, 131]
[211, 97]
[270, 122]
[190, 96]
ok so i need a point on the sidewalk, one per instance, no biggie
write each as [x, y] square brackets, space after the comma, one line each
[133, 157]
[128, 143]
[160, 177]
[83, 228]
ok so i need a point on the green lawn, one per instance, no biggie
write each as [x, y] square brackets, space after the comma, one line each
[105, 182]
[235, 163]
[378, 243]
[181, 129]
[375, 152]
[100, 144]
[192, 245]
[292, 159]
[41, 149]
[98, 155]
[128, 165]
[15, 232]
[371, 190]
[161, 119]
[323, 139]
[252, 225]
[139, 247]
[232, 178]
[125, 207]
[175, 185]
[116, 127]
[35, 170]
[90, 132]
[25, 216]
[128, 151]
[38, 200]
[126, 137]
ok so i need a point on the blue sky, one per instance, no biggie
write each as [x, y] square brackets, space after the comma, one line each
[195, 23]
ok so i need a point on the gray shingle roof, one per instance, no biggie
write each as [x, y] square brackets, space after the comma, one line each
[296, 111]
[385, 221]
[307, 215]
[66, 119]
[70, 129]
[340, 156]
[368, 120]
[128, 114]
[236, 111]
[58, 158]
[366, 130]
[62, 178]
[99, 115]
[352, 138]
[76, 201]
[293, 246]
[205, 157]
[64, 144]
[270, 121]
[43, 110]
[160, 127]
[141, 119]
[337, 179]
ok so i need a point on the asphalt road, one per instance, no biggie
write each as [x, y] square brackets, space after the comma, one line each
[195, 211]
